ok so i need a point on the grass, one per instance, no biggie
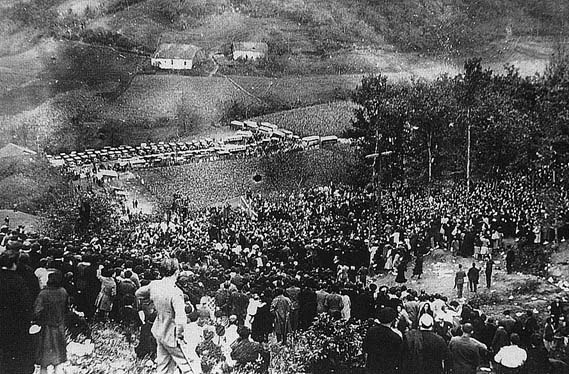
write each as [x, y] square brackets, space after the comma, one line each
[209, 183]
[155, 96]
[324, 119]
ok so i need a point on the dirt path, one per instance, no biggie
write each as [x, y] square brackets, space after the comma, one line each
[516, 291]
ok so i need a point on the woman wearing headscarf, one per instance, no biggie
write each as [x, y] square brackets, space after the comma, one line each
[501, 339]
[49, 312]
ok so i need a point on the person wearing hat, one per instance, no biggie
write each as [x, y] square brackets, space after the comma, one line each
[425, 351]
[511, 358]
[50, 309]
[383, 346]
[466, 352]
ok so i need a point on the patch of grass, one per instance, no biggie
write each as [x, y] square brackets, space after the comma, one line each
[482, 299]
[526, 287]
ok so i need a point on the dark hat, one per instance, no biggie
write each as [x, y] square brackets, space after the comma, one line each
[386, 315]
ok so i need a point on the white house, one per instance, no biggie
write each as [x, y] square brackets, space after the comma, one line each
[174, 56]
[249, 50]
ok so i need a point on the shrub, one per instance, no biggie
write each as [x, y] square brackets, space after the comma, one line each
[328, 346]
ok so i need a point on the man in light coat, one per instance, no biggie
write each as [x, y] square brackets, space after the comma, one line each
[168, 328]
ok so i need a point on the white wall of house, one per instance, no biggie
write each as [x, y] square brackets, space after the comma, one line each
[174, 64]
[247, 55]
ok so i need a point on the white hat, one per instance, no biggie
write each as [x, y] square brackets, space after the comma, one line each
[426, 322]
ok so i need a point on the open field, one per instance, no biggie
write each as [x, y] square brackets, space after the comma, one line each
[324, 119]
[208, 183]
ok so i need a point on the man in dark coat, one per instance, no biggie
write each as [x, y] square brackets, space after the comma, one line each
[16, 349]
[488, 272]
[425, 351]
[473, 277]
[510, 259]
[383, 346]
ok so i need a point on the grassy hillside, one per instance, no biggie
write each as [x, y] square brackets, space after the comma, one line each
[213, 182]
[324, 119]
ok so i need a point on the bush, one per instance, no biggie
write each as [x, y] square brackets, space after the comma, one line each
[329, 346]
[481, 299]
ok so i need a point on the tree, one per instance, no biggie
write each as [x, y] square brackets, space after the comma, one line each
[470, 90]
[380, 122]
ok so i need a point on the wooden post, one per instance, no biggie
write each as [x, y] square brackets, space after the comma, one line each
[468, 152]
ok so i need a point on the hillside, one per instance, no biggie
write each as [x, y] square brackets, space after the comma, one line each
[77, 62]
[215, 182]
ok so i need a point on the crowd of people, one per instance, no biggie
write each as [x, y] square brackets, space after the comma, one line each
[208, 288]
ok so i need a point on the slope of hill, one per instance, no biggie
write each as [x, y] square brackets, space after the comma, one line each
[324, 119]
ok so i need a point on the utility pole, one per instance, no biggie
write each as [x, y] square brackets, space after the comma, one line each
[468, 151]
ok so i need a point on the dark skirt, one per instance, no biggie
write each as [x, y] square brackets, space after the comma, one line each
[52, 346]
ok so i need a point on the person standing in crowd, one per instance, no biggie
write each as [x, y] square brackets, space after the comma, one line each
[16, 349]
[510, 259]
[293, 292]
[334, 303]
[418, 269]
[263, 319]
[511, 358]
[488, 271]
[466, 352]
[382, 345]
[548, 334]
[426, 352]
[105, 300]
[27, 273]
[245, 351]
[459, 281]
[168, 328]
[473, 277]
[50, 309]
[281, 307]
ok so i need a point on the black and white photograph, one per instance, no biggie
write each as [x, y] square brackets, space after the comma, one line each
[284, 186]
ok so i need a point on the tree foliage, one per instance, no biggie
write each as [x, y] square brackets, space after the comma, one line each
[517, 123]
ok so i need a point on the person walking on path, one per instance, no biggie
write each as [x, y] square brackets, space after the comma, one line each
[488, 271]
[168, 328]
[473, 277]
[49, 312]
[459, 281]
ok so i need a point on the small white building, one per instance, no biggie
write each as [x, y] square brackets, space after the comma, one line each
[174, 56]
[249, 50]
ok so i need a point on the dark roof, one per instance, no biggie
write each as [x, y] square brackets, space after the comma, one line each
[13, 150]
[176, 51]
[251, 46]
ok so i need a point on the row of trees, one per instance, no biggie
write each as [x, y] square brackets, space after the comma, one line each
[477, 123]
